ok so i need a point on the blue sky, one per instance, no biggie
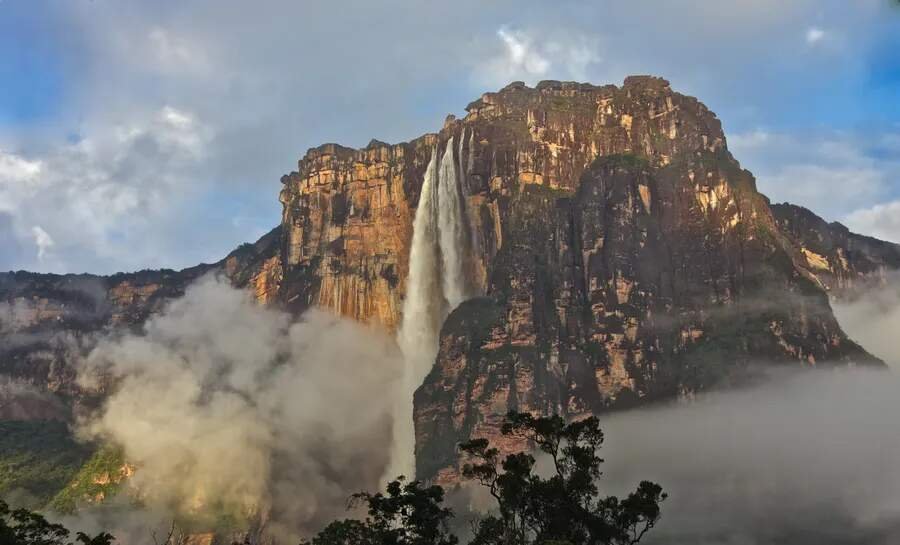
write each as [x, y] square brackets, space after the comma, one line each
[145, 134]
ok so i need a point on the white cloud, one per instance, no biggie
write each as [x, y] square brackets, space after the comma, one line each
[89, 198]
[833, 173]
[825, 189]
[881, 221]
[174, 53]
[749, 140]
[16, 168]
[176, 119]
[530, 56]
[814, 35]
[42, 240]
[521, 54]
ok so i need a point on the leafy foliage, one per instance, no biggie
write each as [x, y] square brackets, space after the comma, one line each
[24, 527]
[105, 462]
[566, 507]
[409, 514]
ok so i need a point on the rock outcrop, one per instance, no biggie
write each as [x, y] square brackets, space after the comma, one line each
[843, 263]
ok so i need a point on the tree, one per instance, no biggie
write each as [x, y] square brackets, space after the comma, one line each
[409, 514]
[565, 507]
[24, 527]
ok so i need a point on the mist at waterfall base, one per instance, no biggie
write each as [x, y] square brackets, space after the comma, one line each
[230, 409]
[872, 318]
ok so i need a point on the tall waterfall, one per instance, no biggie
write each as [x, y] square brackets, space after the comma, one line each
[451, 230]
[437, 283]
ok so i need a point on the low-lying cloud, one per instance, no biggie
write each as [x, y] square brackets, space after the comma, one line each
[873, 319]
[230, 407]
[804, 457]
[808, 458]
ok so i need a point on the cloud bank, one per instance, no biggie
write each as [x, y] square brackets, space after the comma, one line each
[805, 459]
[101, 189]
[873, 319]
[880, 220]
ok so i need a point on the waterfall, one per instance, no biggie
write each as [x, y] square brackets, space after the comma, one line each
[451, 229]
[436, 284]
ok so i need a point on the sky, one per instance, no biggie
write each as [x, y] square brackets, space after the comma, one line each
[140, 134]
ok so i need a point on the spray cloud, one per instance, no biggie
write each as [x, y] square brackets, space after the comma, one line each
[224, 404]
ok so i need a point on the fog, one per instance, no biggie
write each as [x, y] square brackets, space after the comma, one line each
[873, 319]
[229, 410]
[20, 400]
[809, 457]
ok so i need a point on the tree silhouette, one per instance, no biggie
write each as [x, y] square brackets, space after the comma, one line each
[24, 527]
[565, 507]
[408, 514]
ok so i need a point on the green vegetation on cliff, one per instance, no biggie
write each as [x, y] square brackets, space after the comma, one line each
[42, 465]
[37, 459]
[99, 477]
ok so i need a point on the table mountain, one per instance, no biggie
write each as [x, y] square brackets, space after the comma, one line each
[615, 253]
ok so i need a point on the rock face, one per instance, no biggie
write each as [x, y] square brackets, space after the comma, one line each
[620, 252]
[347, 224]
[843, 262]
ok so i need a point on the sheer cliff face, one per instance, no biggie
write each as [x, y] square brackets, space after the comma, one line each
[347, 225]
[347, 221]
[645, 283]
